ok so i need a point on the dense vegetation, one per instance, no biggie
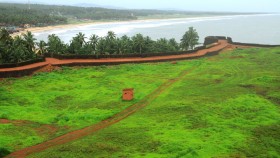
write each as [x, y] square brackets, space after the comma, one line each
[42, 15]
[22, 48]
[226, 106]
[18, 49]
[19, 14]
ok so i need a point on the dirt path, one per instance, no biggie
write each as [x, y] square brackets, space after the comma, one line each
[74, 135]
[15, 122]
[56, 62]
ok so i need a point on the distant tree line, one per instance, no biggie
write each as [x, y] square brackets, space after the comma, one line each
[43, 15]
[16, 16]
[23, 48]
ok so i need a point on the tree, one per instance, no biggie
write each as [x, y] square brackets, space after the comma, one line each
[119, 46]
[55, 45]
[42, 47]
[29, 41]
[101, 46]
[17, 49]
[77, 43]
[126, 45]
[5, 37]
[4, 152]
[111, 42]
[93, 42]
[80, 37]
[189, 39]
[149, 45]
[19, 52]
[6, 42]
[111, 35]
[162, 45]
[138, 42]
[174, 44]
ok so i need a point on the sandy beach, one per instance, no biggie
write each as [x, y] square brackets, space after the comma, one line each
[48, 28]
[66, 26]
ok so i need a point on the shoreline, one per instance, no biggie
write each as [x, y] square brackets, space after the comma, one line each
[66, 26]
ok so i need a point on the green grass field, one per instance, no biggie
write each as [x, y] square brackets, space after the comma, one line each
[72, 98]
[227, 106]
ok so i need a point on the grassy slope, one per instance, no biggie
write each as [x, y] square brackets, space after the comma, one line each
[70, 99]
[227, 107]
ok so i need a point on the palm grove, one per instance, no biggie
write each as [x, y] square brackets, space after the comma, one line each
[23, 48]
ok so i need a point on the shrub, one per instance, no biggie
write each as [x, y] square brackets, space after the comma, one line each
[4, 152]
[4, 116]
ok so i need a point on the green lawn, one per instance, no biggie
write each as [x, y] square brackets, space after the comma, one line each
[71, 98]
[227, 106]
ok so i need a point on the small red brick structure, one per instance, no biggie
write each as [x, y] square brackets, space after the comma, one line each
[127, 94]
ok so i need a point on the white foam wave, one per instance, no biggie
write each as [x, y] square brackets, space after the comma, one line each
[126, 27]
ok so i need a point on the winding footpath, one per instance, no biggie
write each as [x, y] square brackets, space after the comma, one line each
[74, 135]
[109, 61]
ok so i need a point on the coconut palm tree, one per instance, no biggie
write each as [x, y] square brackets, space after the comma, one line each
[149, 45]
[55, 45]
[126, 45]
[5, 36]
[19, 51]
[173, 43]
[6, 42]
[29, 41]
[162, 45]
[111, 35]
[93, 42]
[42, 47]
[138, 42]
[80, 37]
[6, 45]
[118, 45]
[101, 46]
[189, 39]
[77, 44]
[111, 42]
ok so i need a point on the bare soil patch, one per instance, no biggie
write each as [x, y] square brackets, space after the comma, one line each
[46, 130]
[4, 121]
[232, 47]
[15, 122]
[48, 68]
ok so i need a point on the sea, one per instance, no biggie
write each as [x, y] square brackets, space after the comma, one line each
[259, 28]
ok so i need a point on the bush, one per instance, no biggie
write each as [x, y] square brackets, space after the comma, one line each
[4, 152]
[4, 116]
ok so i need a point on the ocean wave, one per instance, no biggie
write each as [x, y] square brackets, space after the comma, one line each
[127, 27]
[120, 28]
